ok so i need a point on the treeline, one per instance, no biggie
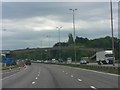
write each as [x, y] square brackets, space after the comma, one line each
[43, 54]
[104, 43]
[84, 47]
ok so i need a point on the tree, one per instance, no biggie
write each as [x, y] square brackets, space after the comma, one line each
[70, 40]
[81, 40]
[63, 44]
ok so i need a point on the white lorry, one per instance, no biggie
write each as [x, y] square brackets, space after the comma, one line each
[104, 57]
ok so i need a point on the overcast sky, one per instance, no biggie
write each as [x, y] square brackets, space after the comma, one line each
[33, 24]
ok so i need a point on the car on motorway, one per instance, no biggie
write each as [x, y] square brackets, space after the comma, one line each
[38, 61]
[69, 60]
[27, 62]
[60, 61]
[83, 62]
[42, 61]
[47, 61]
[54, 61]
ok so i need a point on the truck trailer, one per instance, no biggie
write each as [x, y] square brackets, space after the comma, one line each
[104, 57]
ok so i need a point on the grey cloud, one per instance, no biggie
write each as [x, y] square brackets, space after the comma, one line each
[30, 9]
[17, 38]
[33, 39]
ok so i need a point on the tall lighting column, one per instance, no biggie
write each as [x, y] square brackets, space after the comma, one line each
[48, 36]
[73, 11]
[59, 41]
[41, 50]
[112, 33]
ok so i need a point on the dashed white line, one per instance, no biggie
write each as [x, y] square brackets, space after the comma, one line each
[38, 75]
[33, 82]
[92, 87]
[79, 80]
[63, 71]
[36, 78]
[71, 75]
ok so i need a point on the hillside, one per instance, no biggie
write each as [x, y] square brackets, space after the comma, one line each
[84, 47]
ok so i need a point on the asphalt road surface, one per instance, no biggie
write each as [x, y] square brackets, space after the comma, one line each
[55, 76]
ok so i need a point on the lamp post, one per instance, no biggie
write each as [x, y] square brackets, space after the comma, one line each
[41, 50]
[73, 11]
[112, 33]
[59, 41]
[48, 36]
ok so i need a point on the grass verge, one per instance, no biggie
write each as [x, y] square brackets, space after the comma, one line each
[109, 69]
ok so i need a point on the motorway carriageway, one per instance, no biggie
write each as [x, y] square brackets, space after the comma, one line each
[56, 76]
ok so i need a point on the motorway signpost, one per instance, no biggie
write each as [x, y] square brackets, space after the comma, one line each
[8, 61]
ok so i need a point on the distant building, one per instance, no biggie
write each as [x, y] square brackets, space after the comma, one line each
[4, 52]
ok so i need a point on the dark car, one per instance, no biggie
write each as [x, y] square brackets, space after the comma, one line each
[27, 62]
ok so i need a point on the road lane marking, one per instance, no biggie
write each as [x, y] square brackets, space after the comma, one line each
[12, 75]
[36, 78]
[98, 72]
[63, 71]
[79, 80]
[26, 67]
[92, 71]
[71, 75]
[92, 87]
[33, 82]
[38, 75]
[16, 70]
[10, 72]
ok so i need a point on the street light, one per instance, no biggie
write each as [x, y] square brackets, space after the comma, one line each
[112, 33]
[73, 10]
[41, 50]
[59, 41]
[48, 36]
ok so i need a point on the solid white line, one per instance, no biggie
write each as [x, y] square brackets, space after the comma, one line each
[9, 72]
[79, 80]
[13, 70]
[25, 67]
[92, 87]
[33, 82]
[71, 75]
[11, 75]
